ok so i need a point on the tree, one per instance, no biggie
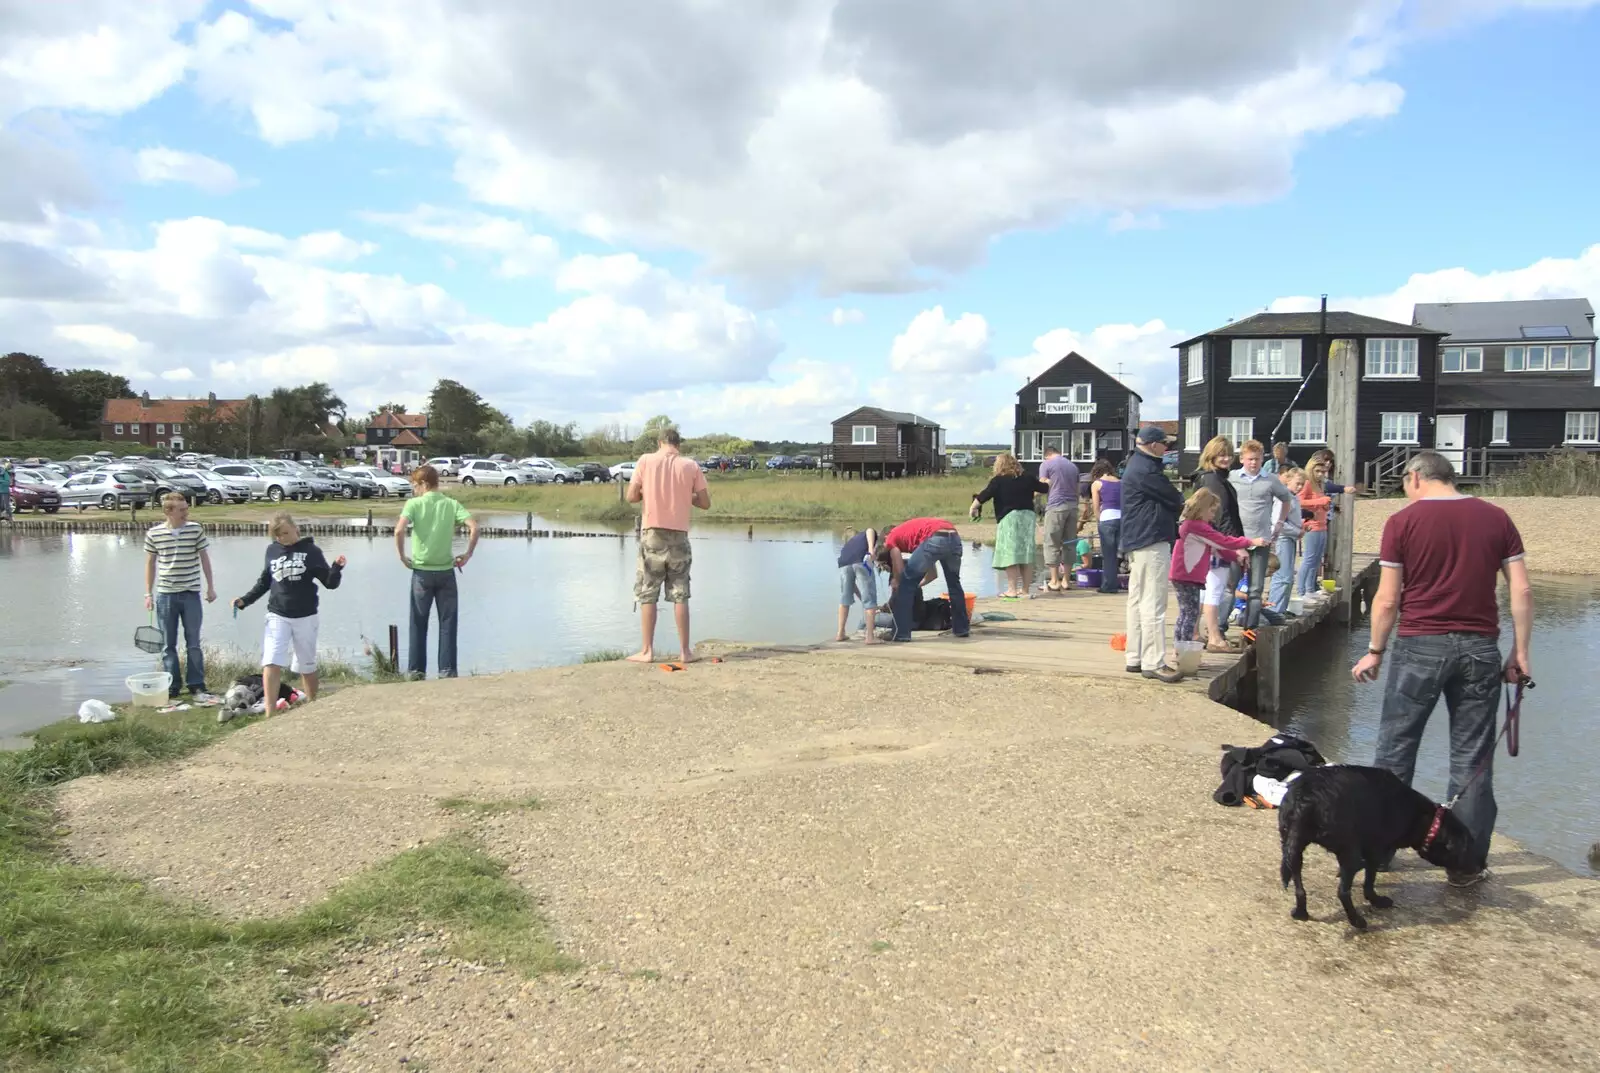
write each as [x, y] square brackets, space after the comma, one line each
[456, 414]
[25, 378]
[647, 440]
[207, 430]
[83, 394]
[30, 421]
[554, 441]
[612, 439]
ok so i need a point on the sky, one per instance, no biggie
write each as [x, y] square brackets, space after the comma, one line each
[754, 217]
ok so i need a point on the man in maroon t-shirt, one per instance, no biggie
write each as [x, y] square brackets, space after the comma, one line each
[1442, 557]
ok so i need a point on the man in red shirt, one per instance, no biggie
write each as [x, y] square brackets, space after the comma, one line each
[1442, 556]
[911, 549]
[668, 484]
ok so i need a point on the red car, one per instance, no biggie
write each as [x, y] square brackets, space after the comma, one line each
[26, 496]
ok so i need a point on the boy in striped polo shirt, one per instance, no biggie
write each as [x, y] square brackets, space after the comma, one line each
[175, 559]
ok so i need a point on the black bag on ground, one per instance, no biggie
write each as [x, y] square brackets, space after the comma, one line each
[931, 614]
[258, 687]
[1278, 758]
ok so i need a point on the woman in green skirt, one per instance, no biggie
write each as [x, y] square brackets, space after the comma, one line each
[1012, 492]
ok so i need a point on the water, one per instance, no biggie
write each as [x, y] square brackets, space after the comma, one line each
[72, 600]
[1548, 796]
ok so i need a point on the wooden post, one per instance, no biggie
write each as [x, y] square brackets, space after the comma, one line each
[530, 522]
[1344, 379]
[394, 647]
[369, 519]
[1269, 647]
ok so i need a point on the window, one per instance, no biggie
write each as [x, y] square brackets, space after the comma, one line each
[1111, 441]
[1237, 429]
[1083, 445]
[1028, 446]
[1583, 426]
[119, 430]
[1057, 440]
[177, 430]
[1514, 359]
[1398, 428]
[1582, 356]
[1191, 435]
[1080, 394]
[161, 430]
[1463, 359]
[1558, 358]
[1194, 357]
[134, 429]
[1500, 429]
[1546, 331]
[161, 443]
[864, 435]
[1266, 359]
[1391, 357]
[1536, 359]
[1308, 426]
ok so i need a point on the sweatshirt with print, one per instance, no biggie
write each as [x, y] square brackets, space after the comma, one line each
[291, 574]
[1198, 541]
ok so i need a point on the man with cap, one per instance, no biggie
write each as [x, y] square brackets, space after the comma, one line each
[1150, 509]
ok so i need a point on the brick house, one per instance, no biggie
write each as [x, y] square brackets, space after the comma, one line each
[155, 423]
[397, 430]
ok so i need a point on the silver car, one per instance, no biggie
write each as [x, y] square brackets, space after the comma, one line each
[557, 472]
[264, 483]
[220, 489]
[108, 489]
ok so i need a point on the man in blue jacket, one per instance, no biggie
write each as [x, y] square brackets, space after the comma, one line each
[1150, 509]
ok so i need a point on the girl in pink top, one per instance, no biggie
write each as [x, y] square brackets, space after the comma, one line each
[1199, 547]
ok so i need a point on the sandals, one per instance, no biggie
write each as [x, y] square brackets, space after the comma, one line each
[1225, 648]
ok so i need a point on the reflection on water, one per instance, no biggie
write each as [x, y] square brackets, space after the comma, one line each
[1549, 798]
[73, 600]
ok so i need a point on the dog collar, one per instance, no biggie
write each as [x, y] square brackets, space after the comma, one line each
[1433, 828]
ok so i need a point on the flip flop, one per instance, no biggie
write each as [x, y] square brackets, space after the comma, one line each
[671, 666]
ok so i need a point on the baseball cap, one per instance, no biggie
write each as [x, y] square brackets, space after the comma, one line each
[1152, 434]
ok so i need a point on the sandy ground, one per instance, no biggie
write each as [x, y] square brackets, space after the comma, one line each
[1556, 532]
[764, 866]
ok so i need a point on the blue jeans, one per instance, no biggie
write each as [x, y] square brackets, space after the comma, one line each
[430, 588]
[861, 580]
[1312, 549]
[944, 549]
[1468, 671]
[171, 609]
[1109, 532]
[1283, 580]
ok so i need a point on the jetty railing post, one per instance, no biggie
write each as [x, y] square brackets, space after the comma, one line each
[1344, 380]
[1269, 649]
[369, 519]
[394, 647]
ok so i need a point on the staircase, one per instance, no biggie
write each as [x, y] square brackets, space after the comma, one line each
[1385, 473]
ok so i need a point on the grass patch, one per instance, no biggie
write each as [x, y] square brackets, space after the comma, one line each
[99, 973]
[605, 655]
[645, 974]
[490, 808]
[880, 946]
[1560, 473]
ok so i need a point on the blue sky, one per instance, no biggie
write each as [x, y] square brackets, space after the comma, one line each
[755, 221]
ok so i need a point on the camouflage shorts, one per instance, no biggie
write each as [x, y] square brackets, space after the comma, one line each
[664, 558]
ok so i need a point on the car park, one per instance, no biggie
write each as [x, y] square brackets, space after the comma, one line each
[347, 485]
[28, 495]
[527, 474]
[488, 471]
[448, 466]
[780, 462]
[744, 462]
[594, 472]
[220, 489]
[38, 475]
[264, 483]
[623, 471]
[164, 478]
[389, 484]
[108, 489]
[805, 461]
[558, 473]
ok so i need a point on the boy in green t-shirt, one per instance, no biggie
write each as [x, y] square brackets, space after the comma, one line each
[430, 518]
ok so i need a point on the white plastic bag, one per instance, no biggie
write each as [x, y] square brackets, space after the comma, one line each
[95, 711]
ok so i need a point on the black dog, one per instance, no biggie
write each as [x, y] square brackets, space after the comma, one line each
[1362, 815]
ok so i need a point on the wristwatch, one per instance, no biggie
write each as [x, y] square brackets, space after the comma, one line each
[1374, 651]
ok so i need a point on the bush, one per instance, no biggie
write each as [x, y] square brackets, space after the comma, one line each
[59, 449]
[1560, 473]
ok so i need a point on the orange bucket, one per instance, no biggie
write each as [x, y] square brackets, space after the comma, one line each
[972, 603]
[1119, 642]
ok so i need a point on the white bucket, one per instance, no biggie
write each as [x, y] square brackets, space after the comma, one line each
[1190, 653]
[149, 690]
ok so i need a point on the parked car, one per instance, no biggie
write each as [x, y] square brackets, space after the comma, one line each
[349, 485]
[83, 460]
[109, 489]
[805, 461]
[744, 462]
[558, 473]
[323, 484]
[594, 472]
[447, 466]
[527, 474]
[389, 484]
[220, 489]
[960, 459]
[623, 471]
[28, 495]
[264, 482]
[486, 471]
[38, 475]
[165, 478]
[780, 462]
[500, 458]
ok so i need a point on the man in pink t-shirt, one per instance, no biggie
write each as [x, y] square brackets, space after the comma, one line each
[668, 484]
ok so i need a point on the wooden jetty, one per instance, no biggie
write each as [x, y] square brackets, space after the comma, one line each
[309, 526]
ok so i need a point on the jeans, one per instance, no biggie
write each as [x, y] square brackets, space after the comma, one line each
[1312, 549]
[1257, 582]
[1146, 618]
[430, 588]
[944, 549]
[171, 609]
[858, 580]
[1109, 532]
[1283, 580]
[1467, 670]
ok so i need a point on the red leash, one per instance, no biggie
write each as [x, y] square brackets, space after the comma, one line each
[1511, 732]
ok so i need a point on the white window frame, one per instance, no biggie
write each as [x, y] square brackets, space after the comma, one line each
[117, 430]
[133, 430]
[1194, 358]
[1515, 354]
[161, 430]
[1404, 366]
[1254, 359]
[1049, 439]
[1060, 394]
[1191, 435]
[1395, 435]
[1028, 445]
[858, 440]
[1562, 348]
[177, 430]
[1468, 359]
[1314, 429]
[1080, 437]
[1229, 427]
[1113, 440]
[1542, 353]
[1500, 428]
[1581, 352]
[1586, 427]
[1082, 394]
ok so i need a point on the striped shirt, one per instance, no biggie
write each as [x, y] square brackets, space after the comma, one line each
[177, 553]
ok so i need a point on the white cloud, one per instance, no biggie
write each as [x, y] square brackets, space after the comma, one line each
[841, 316]
[162, 165]
[100, 337]
[932, 345]
[520, 252]
[181, 375]
[1140, 355]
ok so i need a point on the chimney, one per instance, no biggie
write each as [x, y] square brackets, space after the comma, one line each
[144, 400]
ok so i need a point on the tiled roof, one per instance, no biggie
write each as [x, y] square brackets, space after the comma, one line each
[166, 411]
[406, 439]
[393, 420]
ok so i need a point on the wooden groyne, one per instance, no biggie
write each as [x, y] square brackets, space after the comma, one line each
[309, 526]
